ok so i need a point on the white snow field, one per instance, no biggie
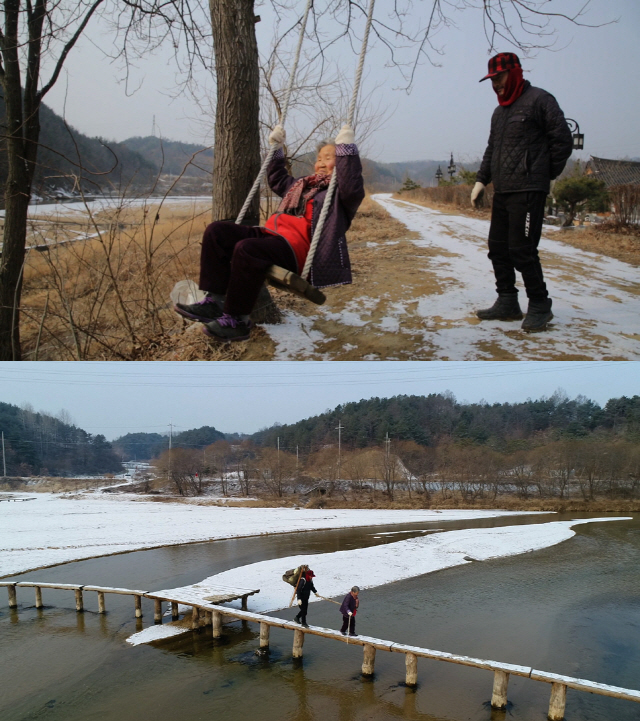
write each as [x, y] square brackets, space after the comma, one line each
[596, 303]
[52, 529]
[374, 566]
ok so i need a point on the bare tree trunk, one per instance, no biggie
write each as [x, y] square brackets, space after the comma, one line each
[237, 139]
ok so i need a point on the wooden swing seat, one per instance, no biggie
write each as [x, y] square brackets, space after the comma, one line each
[287, 280]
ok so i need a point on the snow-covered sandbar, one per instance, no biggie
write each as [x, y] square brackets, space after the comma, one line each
[51, 529]
[373, 566]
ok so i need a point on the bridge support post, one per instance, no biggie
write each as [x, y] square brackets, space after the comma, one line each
[369, 660]
[13, 599]
[39, 603]
[216, 624]
[244, 602]
[195, 618]
[157, 610]
[174, 610]
[411, 662]
[79, 605]
[298, 642]
[557, 701]
[138, 604]
[101, 606]
[499, 696]
[264, 637]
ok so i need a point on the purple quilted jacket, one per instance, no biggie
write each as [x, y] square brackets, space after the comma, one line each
[331, 264]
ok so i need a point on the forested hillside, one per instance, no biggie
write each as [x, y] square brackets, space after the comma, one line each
[145, 446]
[39, 444]
[171, 156]
[430, 420]
[68, 159]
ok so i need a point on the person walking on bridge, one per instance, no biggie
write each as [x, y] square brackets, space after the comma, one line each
[529, 145]
[348, 609]
[305, 586]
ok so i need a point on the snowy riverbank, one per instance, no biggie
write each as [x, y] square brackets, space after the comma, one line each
[52, 529]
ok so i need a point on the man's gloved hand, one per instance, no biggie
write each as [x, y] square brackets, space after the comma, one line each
[346, 136]
[350, 613]
[478, 188]
[318, 595]
[299, 602]
[278, 136]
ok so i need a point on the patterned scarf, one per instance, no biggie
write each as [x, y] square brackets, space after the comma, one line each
[513, 88]
[295, 201]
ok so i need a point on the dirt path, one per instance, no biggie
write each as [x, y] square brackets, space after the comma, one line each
[414, 298]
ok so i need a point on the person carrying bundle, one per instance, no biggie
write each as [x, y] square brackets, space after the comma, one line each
[303, 591]
[235, 258]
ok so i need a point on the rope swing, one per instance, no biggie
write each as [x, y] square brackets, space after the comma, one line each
[277, 276]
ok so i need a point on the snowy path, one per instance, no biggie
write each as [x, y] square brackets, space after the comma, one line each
[419, 302]
[374, 566]
[52, 529]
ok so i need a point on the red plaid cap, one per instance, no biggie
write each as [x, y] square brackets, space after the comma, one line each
[501, 62]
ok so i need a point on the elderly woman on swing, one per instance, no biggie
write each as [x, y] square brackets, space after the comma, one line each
[235, 258]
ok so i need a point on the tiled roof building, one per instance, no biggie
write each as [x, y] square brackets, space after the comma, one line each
[614, 172]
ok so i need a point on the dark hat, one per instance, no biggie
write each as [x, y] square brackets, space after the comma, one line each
[501, 62]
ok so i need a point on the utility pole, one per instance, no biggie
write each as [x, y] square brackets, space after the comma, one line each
[4, 463]
[339, 429]
[297, 459]
[387, 443]
[170, 443]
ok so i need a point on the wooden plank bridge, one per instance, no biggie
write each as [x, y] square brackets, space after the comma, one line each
[212, 614]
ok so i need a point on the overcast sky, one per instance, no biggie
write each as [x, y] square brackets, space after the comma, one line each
[119, 398]
[593, 72]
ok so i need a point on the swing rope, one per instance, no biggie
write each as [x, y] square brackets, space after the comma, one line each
[283, 117]
[332, 185]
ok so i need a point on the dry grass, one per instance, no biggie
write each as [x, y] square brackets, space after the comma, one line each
[54, 484]
[108, 298]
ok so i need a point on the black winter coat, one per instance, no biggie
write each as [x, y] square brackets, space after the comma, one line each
[304, 589]
[529, 144]
[331, 265]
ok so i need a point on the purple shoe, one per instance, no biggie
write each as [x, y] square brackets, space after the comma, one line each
[204, 310]
[227, 328]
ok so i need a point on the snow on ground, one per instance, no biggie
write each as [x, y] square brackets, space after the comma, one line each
[374, 566]
[423, 307]
[53, 529]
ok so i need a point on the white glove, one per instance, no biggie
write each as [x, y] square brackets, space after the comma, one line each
[478, 188]
[278, 136]
[350, 613]
[346, 136]
[299, 602]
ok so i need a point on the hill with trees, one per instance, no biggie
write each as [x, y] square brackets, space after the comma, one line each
[68, 160]
[41, 444]
[436, 418]
[145, 446]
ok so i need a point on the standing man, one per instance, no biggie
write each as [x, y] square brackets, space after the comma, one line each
[348, 609]
[529, 145]
[305, 586]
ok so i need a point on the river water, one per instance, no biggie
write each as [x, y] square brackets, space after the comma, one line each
[572, 609]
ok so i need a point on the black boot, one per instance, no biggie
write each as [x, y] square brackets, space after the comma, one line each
[538, 315]
[304, 623]
[505, 308]
[297, 618]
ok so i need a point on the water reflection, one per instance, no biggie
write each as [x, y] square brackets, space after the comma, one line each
[571, 608]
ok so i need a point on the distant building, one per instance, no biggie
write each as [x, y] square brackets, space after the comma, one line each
[614, 172]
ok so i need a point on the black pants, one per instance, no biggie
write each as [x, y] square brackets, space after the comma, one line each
[234, 260]
[302, 613]
[350, 622]
[516, 225]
